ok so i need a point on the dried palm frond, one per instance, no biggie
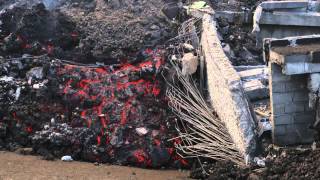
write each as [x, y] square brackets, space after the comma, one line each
[202, 133]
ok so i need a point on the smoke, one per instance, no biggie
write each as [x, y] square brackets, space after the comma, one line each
[51, 4]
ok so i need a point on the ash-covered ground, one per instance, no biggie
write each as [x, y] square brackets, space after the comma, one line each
[82, 31]
[281, 163]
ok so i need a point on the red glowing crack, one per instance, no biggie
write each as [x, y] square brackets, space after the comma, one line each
[100, 81]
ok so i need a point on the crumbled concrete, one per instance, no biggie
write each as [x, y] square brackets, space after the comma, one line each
[255, 82]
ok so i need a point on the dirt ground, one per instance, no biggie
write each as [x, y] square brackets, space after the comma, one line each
[14, 166]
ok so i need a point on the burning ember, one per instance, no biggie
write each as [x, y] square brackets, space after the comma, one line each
[115, 114]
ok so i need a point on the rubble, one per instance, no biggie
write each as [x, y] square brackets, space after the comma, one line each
[281, 163]
[238, 42]
[255, 81]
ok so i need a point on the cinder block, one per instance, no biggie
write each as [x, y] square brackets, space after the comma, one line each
[275, 68]
[307, 108]
[295, 134]
[282, 119]
[300, 96]
[280, 130]
[292, 58]
[278, 109]
[282, 98]
[279, 87]
[296, 86]
[293, 138]
[294, 68]
[276, 74]
[304, 133]
[303, 118]
[287, 139]
[294, 107]
[278, 77]
[299, 78]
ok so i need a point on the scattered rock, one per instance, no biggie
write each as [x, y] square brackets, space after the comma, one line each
[66, 158]
[188, 47]
[24, 151]
[36, 72]
[189, 64]
[229, 52]
[246, 54]
[142, 131]
[154, 27]
[260, 162]
[314, 146]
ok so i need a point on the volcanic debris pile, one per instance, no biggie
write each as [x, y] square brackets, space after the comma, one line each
[82, 31]
[115, 114]
[36, 31]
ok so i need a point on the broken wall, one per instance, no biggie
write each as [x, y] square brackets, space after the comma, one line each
[226, 92]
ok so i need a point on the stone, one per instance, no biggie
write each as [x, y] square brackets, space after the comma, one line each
[24, 151]
[36, 72]
[67, 158]
[229, 52]
[189, 64]
[141, 131]
[188, 47]
[314, 146]
[225, 30]
[247, 55]
[171, 11]
[154, 27]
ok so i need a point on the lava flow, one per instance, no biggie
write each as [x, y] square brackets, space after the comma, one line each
[118, 103]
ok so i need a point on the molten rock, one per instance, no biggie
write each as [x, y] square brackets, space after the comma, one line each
[115, 114]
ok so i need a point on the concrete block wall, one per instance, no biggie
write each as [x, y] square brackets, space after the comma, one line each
[227, 95]
[282, 31]
[291, 115]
